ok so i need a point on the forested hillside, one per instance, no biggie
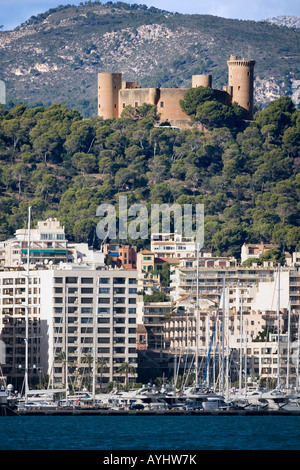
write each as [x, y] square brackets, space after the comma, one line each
[66, 166]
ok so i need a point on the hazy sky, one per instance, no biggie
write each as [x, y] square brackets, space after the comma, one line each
[15, 12]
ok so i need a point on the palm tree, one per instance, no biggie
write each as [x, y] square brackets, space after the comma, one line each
[62, 357]
[126, 368]
[88, 359]
[102, 363]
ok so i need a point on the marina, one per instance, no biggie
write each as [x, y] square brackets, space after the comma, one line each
[148, 400]
[172, 412]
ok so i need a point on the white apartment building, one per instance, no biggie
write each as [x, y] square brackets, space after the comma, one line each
[48, 245]
[260, 358]
[254, 286]
[254, 250]
[76, 313]
[172, 245]
[13, 304]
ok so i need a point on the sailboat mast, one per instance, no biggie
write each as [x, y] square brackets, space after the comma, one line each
[223, 332]
[227, 346]
[197, 317]
[298, 355]
[95, 344]
[246, 357]
[278, 336]
[288, 350]
[66, 343]
[27, 307]
[207, 349]
[241, 345]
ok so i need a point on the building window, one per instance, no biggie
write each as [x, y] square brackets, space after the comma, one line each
[104, 290]
[71, 280]
[162, 104]
[136, 104]
[103, 310]
[119, 280]
[86, 290]
[103, 320]
[86, 310]
[132, 310]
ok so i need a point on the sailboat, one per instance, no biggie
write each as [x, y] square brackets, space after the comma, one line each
[3, 390]
[201, 394]
[38, 398]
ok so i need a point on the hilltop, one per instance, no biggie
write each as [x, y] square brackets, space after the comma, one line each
[286, 20]
[57, 54]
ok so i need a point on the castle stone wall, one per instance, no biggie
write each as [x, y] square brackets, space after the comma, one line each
[168, 107]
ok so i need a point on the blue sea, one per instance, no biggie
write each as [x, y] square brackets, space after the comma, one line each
[130, 433]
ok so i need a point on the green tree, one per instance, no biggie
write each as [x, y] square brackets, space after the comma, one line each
[195, 97]
[146, 110]
[126, 368]
[102, 365]
[85, 162]
[277, 117]
[81, 137]
[106, 166]
[48, 187]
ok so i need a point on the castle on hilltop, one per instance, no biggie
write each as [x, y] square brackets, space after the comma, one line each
[114, 94]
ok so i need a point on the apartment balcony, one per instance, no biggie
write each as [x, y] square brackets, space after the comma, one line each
[118, 341]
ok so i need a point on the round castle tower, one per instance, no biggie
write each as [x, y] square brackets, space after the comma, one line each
[201, 80]
[109, 85]
[240, 83]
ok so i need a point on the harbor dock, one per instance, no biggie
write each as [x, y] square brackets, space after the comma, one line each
[176, 412]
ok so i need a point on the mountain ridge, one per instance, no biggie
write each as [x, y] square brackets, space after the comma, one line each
[59, 53]
[285, 20]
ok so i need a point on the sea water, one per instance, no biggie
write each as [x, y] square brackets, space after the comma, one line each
[131, 433]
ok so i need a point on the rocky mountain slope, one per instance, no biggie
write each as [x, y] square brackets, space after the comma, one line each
[285, 20]
[55, 57]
